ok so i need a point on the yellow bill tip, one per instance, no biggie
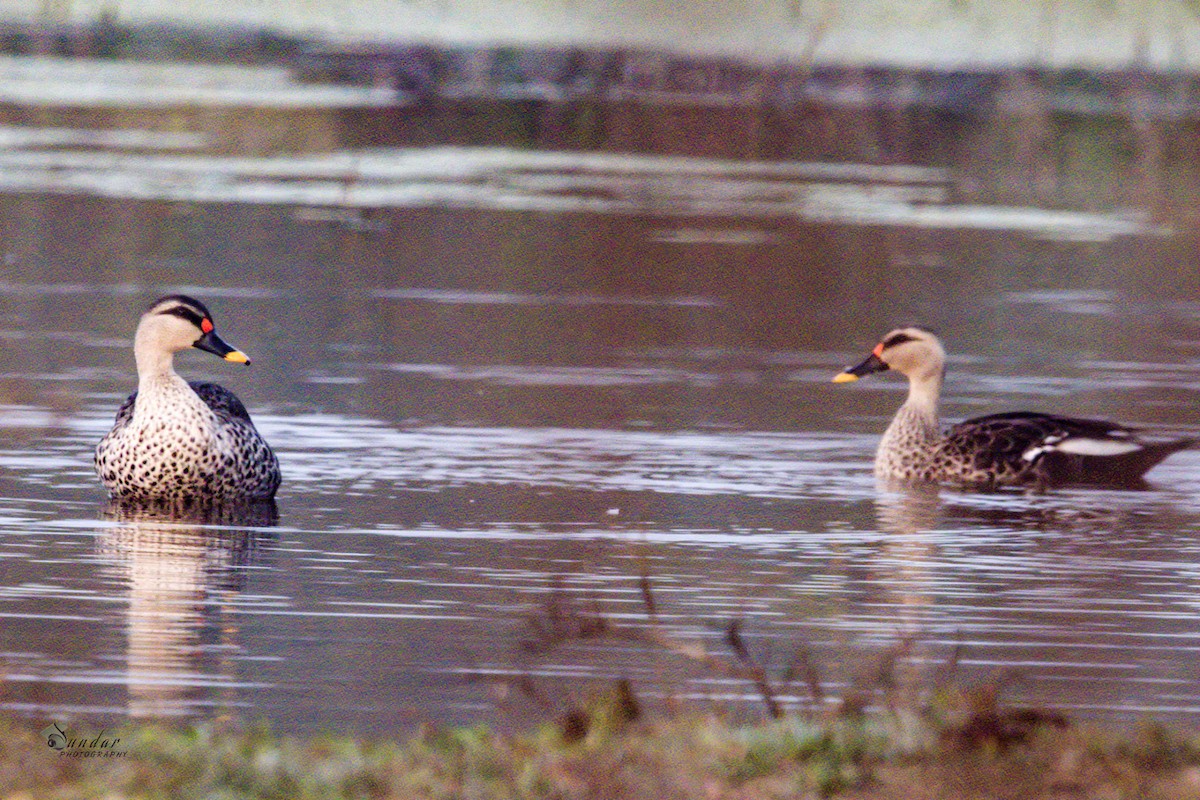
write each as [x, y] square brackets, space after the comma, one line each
[237, 356]
[844, 377]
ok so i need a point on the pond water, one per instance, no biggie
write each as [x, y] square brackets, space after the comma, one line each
[506, 408]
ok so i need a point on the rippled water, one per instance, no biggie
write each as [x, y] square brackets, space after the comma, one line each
[490, 417]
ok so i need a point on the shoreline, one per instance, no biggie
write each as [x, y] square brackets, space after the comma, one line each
[608, 750]
[934, 33]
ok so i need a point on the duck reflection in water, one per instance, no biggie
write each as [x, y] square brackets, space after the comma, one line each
[184, 565]
[909, 514]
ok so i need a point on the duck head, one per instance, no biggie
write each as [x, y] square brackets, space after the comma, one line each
[175, 323]
[912, 351]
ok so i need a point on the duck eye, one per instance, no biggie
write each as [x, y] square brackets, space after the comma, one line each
[206, 325]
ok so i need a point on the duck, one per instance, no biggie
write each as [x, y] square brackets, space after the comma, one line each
[1007, 449]
[177, 441]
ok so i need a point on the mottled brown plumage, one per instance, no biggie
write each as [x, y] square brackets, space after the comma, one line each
[1000, 449]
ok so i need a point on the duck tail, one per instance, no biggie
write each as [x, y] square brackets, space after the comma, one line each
[1116, 470]
[1155, 452]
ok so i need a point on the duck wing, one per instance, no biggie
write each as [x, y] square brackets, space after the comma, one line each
[125, 412]
[1028, 435]
[1026, 446]
[223, 402]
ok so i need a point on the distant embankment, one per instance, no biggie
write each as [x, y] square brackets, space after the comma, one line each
[1111, 133]
[1163, 34]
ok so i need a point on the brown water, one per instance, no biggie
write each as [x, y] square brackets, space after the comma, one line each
[483, 402]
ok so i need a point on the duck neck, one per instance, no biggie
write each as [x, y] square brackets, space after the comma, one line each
[924, 393]
[915, 425]
[154, 363]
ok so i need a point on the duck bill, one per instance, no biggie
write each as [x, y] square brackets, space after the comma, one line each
[872, 363]
[211, 343]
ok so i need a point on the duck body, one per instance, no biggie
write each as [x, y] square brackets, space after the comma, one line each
[174, 440]
[1009, 449]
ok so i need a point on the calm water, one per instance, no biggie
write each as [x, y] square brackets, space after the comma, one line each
[491, 406]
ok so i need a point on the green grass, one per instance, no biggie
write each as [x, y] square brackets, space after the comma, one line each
[606, 752]
[891, 735]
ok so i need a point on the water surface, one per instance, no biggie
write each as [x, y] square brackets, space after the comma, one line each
[490, 412]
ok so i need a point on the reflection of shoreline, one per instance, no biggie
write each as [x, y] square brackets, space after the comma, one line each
[594, 99]
[181, 574]
[510, 178]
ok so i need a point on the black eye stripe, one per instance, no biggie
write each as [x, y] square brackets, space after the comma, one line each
[185, 313]
[897, 338]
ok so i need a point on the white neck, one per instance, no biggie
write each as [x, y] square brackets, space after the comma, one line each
[915, 425]
[153, 359]
[924, 392]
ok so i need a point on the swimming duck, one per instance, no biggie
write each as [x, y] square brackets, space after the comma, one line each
[1014, 448]
[174, 440]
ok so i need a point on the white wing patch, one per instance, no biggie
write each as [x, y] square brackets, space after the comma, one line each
[1082, 446]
